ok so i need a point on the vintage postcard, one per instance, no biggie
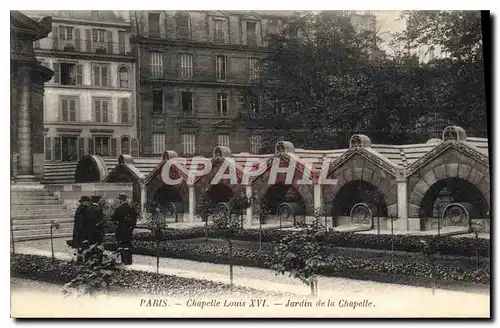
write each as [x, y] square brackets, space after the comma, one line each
[249, 163]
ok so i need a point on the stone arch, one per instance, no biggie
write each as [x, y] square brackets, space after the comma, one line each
[123, 76]
[360, 169]
[204, 183]
[90, 168]
[359, 192]
[125, 140]
[279, 193]
[477, 175]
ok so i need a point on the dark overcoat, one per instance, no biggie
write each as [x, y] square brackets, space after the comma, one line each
[126, 219]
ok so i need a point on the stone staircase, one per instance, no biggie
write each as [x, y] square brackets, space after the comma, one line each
[32, 211]
[59, 172]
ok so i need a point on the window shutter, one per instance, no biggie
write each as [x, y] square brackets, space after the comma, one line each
[72, 110]
[55, 37]
[64, 110]
[121, 42]
[57, 149]
[79, 74]
[135, 147]
[165, 28]
[244, 32]
[81, 147]
[88, 40]
[48, 148]
[110, 42]
[56, 77]
[113, 151]
[91, 146]
[77, 40]
[108, 77]
[105, 112]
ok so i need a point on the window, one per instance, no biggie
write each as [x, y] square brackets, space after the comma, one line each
[123, 77]
[101, 74]
[187, 103]
[189, 143]
[186, 66]
[222, 104]
[99, 41]
[254, 64]
[102, 146]
[256, 143]
[68, 110]
[221, 65]
[158, 143]
[124, 111]
[125, 145]
[69, 73]
[66, 33]
[254, 106]
[219, 30]
[183, 26]
[273, 26]
[157, 102]
[223, 139]
[154, 24]
[101, 110]
[251, 33]
[156, 63]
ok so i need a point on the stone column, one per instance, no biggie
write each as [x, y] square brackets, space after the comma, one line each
[192, 203]
[144, 198]
[249, 220]
[318, 199]
[25, 160]
[403, 201]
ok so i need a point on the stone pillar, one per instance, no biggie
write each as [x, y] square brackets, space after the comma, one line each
[24, 133]
[144, 198]
[192, 203]
[403, 201]
[249, 220]
[318, 199]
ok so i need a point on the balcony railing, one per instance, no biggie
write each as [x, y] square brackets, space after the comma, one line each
[183, 32]
[83, 46]
[197, 75]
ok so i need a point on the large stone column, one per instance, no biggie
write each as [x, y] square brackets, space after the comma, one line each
[24, 133]
[318, 199]
[144, 198]
[402, 201]
[249, 220]
[192, 203]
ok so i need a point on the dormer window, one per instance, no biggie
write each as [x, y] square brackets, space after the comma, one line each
[220, 30]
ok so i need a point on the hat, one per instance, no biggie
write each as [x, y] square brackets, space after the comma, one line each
[84, 199]
[122, 196]
[95, 199]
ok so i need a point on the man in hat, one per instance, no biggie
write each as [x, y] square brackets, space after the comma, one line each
[95, 221]
[79, 231]
[126, 219]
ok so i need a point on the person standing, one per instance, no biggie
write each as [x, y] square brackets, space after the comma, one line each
[126, 219]
[79, 232]
[96, 221]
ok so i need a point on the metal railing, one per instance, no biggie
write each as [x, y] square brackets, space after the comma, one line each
[183, 32]
[83, 46]
[196, 75]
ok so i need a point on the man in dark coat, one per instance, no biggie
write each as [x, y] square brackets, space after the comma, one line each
[95, 221]
[125, 217]
[79, 231]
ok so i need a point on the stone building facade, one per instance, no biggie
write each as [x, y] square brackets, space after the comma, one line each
[90, 100]
[27, 78]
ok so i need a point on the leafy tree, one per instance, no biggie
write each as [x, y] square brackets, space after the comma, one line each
[157, 222]
[205, 209]
[95, 271]
[302, 253]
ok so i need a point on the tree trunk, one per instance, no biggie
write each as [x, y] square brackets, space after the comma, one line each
[157, 256]
[52, 243]
[230, 264]
[313, 289]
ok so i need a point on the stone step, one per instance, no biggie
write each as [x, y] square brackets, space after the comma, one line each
[50, 216]
[20, 222]
[40, 237]
[38, 225]
[58, 172]
[41, 232]
[30, 193]
[17, 206]
[35, 201]
[33, 197]
[40, 212]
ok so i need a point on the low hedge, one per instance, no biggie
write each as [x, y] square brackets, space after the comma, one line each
[337, 266]
[59, 272]
[406, 243]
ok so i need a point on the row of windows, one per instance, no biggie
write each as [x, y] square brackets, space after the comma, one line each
[222, 100]
[70, 148]
[219, 32]
[67, 73]
[69, 33]
[101, 110]
[185, 66]
[188, 141]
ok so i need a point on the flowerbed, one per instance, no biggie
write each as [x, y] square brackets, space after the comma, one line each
[404, 243]
[60, 272]
[371, 269]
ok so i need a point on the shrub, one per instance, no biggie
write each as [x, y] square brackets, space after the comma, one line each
[340, 266]
[60, 272]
